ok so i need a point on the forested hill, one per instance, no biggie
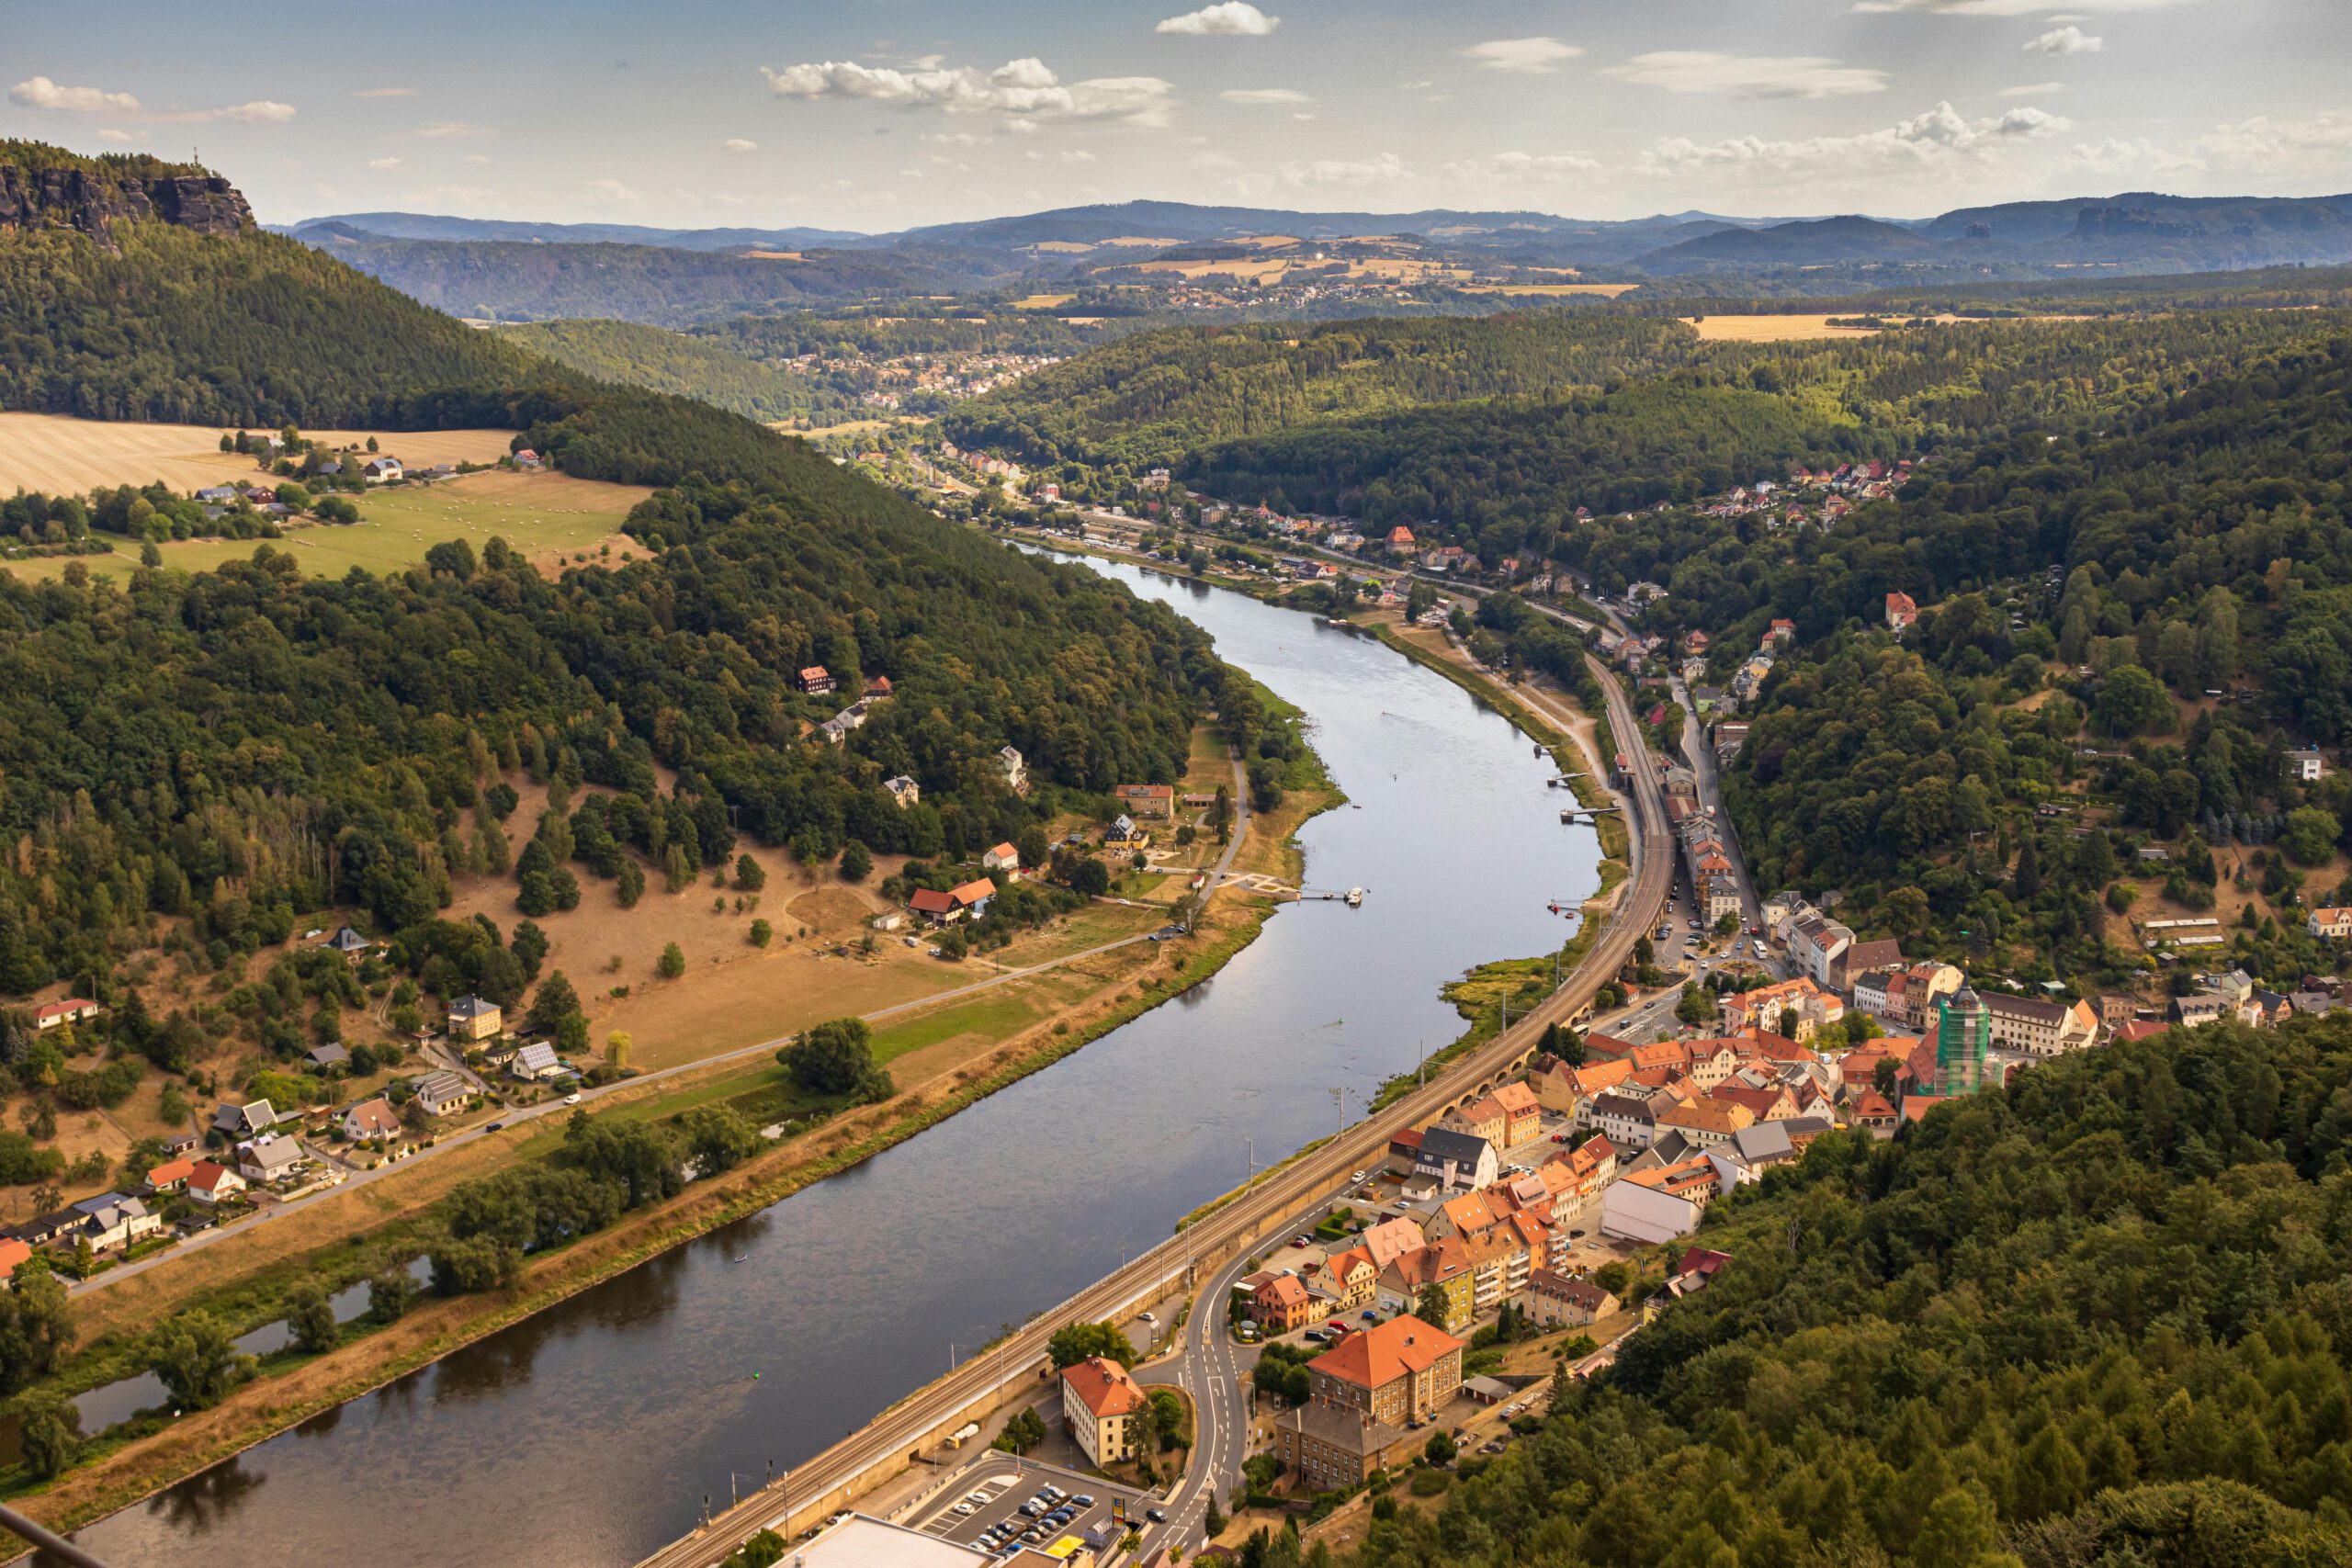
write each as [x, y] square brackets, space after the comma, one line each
[234, 746]
[2100, 1319]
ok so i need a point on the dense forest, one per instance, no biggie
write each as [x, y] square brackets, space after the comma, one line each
[1455, 427]
[660, 360]
[2100, 1318]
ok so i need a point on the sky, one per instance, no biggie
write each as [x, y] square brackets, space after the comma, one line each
[877, 115]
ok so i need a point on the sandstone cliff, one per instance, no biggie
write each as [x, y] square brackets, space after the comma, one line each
[94, 202]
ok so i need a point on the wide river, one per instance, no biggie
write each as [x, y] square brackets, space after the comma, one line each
[592, 1433]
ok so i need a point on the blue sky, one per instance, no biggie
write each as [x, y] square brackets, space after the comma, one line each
[881, 114]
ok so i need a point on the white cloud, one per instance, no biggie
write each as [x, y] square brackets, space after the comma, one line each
[608, 190]
[1264, 96]
[1940, 135]
[477, 159]
[1078, 155]
[2138, 155]
[41, 93]
[2011, 7]
[383, 165]
[262, 110]
[2321, 144]
[1383, 169]
[1522, 56]
[955, 139]
[385, 93]
[1416, 86]
[2033, 89]
[2068, 39]
[1023, 88]
[1519, 169]
[119, 138]
[453, 130]
[1704, 70]
[1229, 19]
[740, 144]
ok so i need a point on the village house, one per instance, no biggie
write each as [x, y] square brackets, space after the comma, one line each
[1706, 1122]
[443, 1092]
[877, 690]
[2304, 763]
[1099, 1400]
[966, 898]
[1445, 1263]
[1873, 1113]
[1482, 1118]
[814, 678]
[1015, 771]
[2333, 923]
[72, 1009]
[370, 1119]
[472, 1018]
[243, 1121]
[2040, 1028]
[1348, 1279]
[1124, 834]
[1458, 1161]
[1624, 1120]
[1901, 610]
[170, 1177]
[381, 470]
[113, 1222]
[209, 1183]
[269, 1160]
[904, 791]
[1564, 1300]
[14, 1254]
[1651, 1206]
[1858, 956]
[1280, 1303]
[350, 944]
[1004, 858]
[1767, 1008]
[537, 1063]
[1147, 802]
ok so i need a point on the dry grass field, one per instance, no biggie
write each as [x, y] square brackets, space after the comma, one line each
[56, 452]
[1609, 290]
[1770, 329]
[556, 520]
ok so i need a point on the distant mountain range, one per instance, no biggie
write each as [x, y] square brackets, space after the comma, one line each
[473, 265]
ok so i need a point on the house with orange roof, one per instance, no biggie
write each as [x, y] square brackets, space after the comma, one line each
[1002, 858]
[1522, 1111]
[1873, 1113]
[1365, 1396]
[171, 1175]
[1569, 1090]
[1773, 1104]
[14, 1254]
[1099, 1401]
[1350, 1279]
[1482, 1118]
[1769, 1007]
[1564, 1300]
[1443, 1263]
[1390, 1239]
[1473, 1214]
[1901, 610]
[1706, 1122]
[1281, 1303]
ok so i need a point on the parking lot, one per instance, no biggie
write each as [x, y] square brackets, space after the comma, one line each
[984, 1508]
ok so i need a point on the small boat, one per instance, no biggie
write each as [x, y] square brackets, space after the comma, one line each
[742, 1257]
[1355, 897]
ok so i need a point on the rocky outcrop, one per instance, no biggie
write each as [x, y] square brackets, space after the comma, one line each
[93, 203]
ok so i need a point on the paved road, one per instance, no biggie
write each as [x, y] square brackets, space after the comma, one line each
[1702, 758]
[1283, 1192]
[516, 1118]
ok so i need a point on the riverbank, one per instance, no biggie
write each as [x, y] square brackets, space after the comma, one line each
[262, 1409]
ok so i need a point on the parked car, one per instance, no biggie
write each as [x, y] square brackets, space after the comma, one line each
[1156, 1516]
[1369, 1315]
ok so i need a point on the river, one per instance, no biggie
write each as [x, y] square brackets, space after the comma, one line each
[592, 1433]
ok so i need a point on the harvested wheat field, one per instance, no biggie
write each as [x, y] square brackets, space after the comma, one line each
[56, 452]
[1770, 329]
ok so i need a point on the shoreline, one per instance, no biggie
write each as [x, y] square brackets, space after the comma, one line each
[251, 1418]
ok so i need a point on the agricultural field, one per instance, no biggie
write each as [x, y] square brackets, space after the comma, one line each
[553, 518]
[58, 453]
[1770, 329]
[1553, 290]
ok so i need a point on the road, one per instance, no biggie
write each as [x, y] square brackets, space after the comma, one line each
[1702, 758]
[1282, 1192]
[516, 1118]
